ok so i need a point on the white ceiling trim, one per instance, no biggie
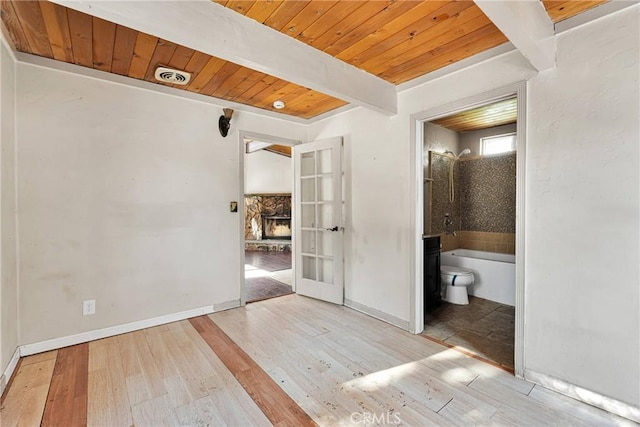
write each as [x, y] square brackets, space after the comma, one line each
[527, 25]
[218, 31]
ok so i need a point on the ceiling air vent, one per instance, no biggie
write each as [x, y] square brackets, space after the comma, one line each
[177, 77]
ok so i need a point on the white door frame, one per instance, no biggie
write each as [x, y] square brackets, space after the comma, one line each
[242, 135]
[417, 213]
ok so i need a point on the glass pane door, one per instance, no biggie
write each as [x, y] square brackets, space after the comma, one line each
[319, 229]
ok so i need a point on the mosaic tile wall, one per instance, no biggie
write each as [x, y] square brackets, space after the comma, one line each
[488, 193]
[484, 209]
[255, 205]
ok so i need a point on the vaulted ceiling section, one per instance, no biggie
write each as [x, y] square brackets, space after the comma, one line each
[396, 41]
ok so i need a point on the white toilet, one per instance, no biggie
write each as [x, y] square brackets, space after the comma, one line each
[456, 280]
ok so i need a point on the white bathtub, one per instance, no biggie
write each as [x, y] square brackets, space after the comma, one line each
[495, 274]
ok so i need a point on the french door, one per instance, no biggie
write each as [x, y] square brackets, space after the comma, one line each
[318, 220]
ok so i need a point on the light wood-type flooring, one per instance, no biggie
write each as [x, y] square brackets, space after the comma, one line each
[285, 361]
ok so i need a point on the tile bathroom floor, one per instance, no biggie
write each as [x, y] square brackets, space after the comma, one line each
[483, 327]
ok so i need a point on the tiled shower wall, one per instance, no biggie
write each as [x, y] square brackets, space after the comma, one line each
[488, 193]
[484, 209]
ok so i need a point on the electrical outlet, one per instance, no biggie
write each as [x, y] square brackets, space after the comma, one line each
[89, 307]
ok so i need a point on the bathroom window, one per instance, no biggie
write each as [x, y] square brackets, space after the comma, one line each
[498, 144]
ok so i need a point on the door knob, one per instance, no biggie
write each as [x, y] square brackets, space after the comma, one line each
[333, 229]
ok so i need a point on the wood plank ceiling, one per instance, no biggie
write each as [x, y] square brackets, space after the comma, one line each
[496, 114]
[395, 40]
[564, 9]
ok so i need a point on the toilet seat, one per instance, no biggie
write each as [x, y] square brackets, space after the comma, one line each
[454, 271]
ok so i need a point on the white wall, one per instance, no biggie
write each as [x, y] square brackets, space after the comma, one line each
[440, 139]
[376, 181]
[123, 198]
[471, 139]
[267, 172]
[8, 264]
[582, 299]
[377, 156]
[583, 221]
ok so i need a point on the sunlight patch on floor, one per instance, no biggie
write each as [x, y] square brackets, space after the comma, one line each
[384, 378]
[284, 276]
[458, 375]
[251, 272]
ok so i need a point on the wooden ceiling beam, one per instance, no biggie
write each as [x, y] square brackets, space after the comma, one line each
[528, 26]
[223, 33]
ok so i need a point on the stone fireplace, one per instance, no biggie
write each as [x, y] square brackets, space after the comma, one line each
[276, 227]
[267, 224]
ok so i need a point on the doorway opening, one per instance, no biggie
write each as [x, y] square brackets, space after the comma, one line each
[470, 207]
[268, 211]
[469, 170]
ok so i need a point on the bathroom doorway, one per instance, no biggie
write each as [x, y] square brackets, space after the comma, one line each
[470, 205]
[469, 181]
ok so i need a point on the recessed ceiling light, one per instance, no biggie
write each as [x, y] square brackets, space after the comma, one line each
[278, 105]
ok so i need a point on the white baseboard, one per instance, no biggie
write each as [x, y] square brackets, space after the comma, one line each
[227, 305]
[587, 396]
[403, 324]
[8, 372]
[56, 343]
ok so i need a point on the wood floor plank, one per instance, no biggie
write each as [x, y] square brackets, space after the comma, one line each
[155, 412]
[108, 402]
[272, 400]
[216, 378]
[286, 361]
[25, 398]
[394, 370]
[40, 357]
[193, 413]
[143, 378]
[67, 401]
[522, 404]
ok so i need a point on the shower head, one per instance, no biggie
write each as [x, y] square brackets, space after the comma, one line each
[462, 153]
